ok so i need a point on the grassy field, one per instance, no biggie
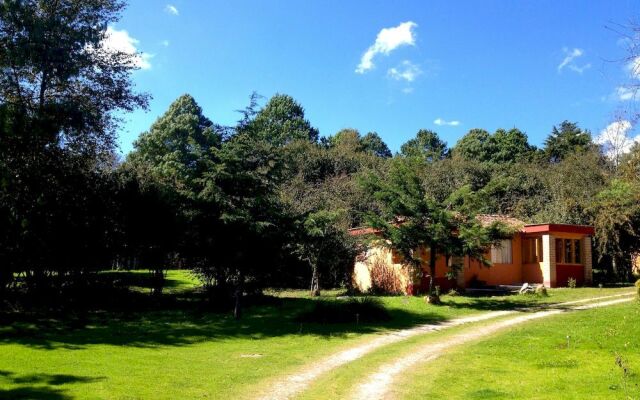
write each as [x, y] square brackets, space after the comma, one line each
[592, 354]
[184, 350]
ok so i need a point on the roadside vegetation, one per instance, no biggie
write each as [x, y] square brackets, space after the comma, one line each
[138, 349]
[591, 354]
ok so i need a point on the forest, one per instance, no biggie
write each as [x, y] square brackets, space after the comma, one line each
[265, 203]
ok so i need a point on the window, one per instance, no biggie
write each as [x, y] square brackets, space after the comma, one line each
[568, 251]
[501, 254]
[532, 250]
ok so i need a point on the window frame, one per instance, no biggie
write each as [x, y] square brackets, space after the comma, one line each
[497, 250]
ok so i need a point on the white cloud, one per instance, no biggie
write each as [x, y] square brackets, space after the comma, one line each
[625, 93]
[634, 68]
[569, 61]
[615, 139]
[165, 43]
[171, 9]
[405, 71]
[120, 42]
[388, 39]
[407, 90]
[441, 122]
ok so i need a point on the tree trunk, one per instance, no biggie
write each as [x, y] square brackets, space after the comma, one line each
[237, 309]
[158, 282]
[432, 297]
[315, 280]
[432, 267]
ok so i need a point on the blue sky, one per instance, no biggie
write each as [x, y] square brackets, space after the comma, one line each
[464, 64]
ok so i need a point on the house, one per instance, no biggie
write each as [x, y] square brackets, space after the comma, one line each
[548, 254]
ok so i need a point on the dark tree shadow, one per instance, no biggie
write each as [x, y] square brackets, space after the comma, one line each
[33, 393]
[181, 326]
[40, 386]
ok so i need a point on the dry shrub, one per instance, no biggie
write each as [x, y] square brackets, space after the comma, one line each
[385, 278]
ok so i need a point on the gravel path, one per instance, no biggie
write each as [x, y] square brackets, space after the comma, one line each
[379, 385]
[292, 385]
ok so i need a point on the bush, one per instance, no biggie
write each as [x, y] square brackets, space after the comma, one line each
[571, 283]
[638, 287]
[541, 290]
[384, 278]
[353, 310]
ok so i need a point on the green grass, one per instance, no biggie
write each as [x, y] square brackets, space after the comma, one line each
[183, 350]
[571, 356]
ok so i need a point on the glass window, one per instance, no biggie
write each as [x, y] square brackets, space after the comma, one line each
[539, 251]
[532, 250]
[559, 250]
[501, 253]
[568, 252]
[577, 251]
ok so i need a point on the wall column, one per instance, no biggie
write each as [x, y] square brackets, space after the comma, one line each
[587, 260]
[548, 261]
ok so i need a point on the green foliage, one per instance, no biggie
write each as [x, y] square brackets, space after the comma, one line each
[280, 122]
[617, 223]
[566, 139]
[638, 288]
[372, 143]
[412, 220]
[177, 149]
[427, 145]
[503, 147]
[475, 145]
[571, 283]
[59, 93]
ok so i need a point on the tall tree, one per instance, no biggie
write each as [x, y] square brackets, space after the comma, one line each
[372, 143]
[59, 88]
[244, 186]
[57, 71]
[162, 179]
[412, 220]
[617, 223]
[426, 145]
[475, 145]
[178, 145]
[565, 139]
[510, 146]
[282, 121]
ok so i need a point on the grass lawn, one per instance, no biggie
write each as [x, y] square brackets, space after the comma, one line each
[184, 350]
[573, 356]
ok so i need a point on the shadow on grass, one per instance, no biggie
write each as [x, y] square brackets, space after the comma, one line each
[39, 386]
[186, 322]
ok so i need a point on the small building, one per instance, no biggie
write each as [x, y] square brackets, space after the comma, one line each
[549, 254]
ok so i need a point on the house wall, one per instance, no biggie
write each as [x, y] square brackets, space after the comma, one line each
[385, 265]
[532, 273]
[381, 264]
[497, 274]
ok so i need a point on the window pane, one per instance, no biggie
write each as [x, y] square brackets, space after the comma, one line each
[567, 252]
[559, 250]
[578, 251]
[501, 254]
[539, 250]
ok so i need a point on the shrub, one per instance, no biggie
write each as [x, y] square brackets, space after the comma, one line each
[541, 290]
[384, 278]
[353, 310]
[638, 287]
[571, 283]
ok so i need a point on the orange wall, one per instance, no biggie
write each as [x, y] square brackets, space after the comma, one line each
[532, 273]
[497, 274]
